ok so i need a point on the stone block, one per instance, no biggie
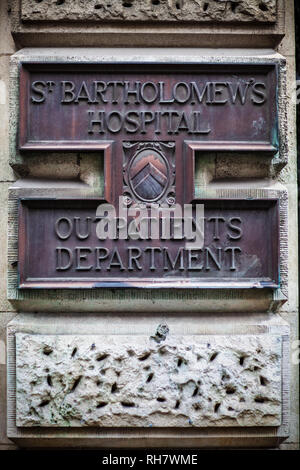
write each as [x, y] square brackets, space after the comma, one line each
[292, 319]
[6, 39]
[287, 46]
[105, 382]
[5, 317]
[6, 172]
[238, 11]
[293, 297]
[136, 381]
[29, 164]
[149, 23]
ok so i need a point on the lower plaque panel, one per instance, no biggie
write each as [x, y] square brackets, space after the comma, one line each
[59, 248]
[137, 381]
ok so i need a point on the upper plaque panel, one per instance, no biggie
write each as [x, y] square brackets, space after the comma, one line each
[226, 107]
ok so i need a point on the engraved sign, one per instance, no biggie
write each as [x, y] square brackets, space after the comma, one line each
[148, 230]
[61, 244]
[78, 106]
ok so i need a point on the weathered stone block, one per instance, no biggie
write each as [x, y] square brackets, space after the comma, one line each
[150, 10]
[6, 172]
[116, 381]
[262, 339]
[257, 23]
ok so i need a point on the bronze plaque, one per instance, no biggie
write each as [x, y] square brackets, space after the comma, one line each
[222, 107]
[60, 246]
[149, 230]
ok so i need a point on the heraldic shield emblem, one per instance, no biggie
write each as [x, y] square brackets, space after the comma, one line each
[149, 173]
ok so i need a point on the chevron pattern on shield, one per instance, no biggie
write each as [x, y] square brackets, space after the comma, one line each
[149, 175]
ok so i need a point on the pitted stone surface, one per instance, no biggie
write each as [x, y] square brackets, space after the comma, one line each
[135, 381]
[151, 10]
